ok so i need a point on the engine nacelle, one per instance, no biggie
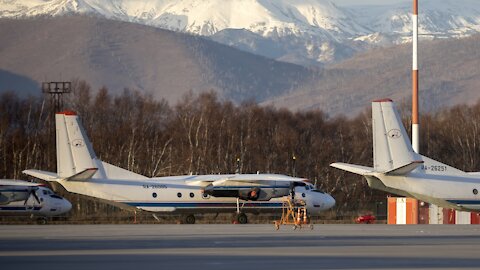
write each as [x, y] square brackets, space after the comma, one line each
[254, 194]
[247, 194]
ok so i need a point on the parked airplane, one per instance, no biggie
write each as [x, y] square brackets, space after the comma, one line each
[399, 170]
[80, 171]
[25, 198]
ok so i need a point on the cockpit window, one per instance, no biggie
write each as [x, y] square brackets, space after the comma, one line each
[47, 192]
[56, 196]
[299, 184]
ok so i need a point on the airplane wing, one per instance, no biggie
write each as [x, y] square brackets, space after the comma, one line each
[15, 190]
[242, 181]
[357, 169]
[47, 176]
[249, 186]
[12, 193]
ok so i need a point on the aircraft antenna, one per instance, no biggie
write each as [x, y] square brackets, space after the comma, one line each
[415, 118]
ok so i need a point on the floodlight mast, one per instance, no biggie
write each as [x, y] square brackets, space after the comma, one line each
[56, 90]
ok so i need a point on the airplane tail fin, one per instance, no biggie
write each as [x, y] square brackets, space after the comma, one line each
[76, 160]
[74, 150]
[392, 150]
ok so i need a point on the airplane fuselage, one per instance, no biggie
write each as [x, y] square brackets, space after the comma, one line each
[49, 204]
[80, 171]
[398, 169]
[458, 192]
[181, 194]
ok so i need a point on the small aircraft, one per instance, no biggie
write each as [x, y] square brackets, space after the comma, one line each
[80, 171]
[20, 197]
[397, 169]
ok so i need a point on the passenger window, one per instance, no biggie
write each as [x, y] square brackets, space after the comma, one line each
[154, 195]
[179, 195]
[192, 195]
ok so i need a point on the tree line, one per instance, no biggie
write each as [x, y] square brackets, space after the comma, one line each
[204, 134]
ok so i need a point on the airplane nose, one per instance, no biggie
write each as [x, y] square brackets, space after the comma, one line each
[67, 206]
[330, 202]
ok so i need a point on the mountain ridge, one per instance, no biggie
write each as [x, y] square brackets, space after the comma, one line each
[122, 55]
[305, 32]
[349, 86]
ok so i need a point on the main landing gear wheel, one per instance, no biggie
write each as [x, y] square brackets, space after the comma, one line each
[41, 221]
[189, 219]
[242, 218]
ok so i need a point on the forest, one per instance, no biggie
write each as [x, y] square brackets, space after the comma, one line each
[203, 134]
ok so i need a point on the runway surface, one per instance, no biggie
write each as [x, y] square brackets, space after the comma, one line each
[239, 247]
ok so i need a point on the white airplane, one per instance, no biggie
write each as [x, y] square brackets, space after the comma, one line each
[25, 198]
[397, 169]
[80, 171]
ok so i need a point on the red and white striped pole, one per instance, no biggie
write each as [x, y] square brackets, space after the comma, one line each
[415, 118]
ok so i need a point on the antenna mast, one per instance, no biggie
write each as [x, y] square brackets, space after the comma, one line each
[415, 118]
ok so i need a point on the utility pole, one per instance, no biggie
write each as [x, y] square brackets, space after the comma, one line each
[238, 170]
[294, 169]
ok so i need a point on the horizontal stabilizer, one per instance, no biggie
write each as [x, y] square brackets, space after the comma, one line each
[47, 176]
[362, 170]
[83, 175]
[405, 169]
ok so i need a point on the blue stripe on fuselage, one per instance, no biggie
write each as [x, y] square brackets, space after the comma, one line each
[239, 187]
[200, 205]
[464, 202]
[19, 208]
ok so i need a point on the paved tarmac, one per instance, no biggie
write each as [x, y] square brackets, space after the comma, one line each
[239, 247]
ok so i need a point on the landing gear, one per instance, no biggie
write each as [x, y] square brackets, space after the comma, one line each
[188, 219]
[241, 218]
[41, 220]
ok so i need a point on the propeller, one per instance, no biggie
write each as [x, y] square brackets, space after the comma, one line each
[292, 190]
[32, 192]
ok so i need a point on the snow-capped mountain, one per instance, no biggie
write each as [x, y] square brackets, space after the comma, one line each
[307, 32]
[437, 19]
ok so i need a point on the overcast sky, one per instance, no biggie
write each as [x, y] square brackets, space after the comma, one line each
[367, 2]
